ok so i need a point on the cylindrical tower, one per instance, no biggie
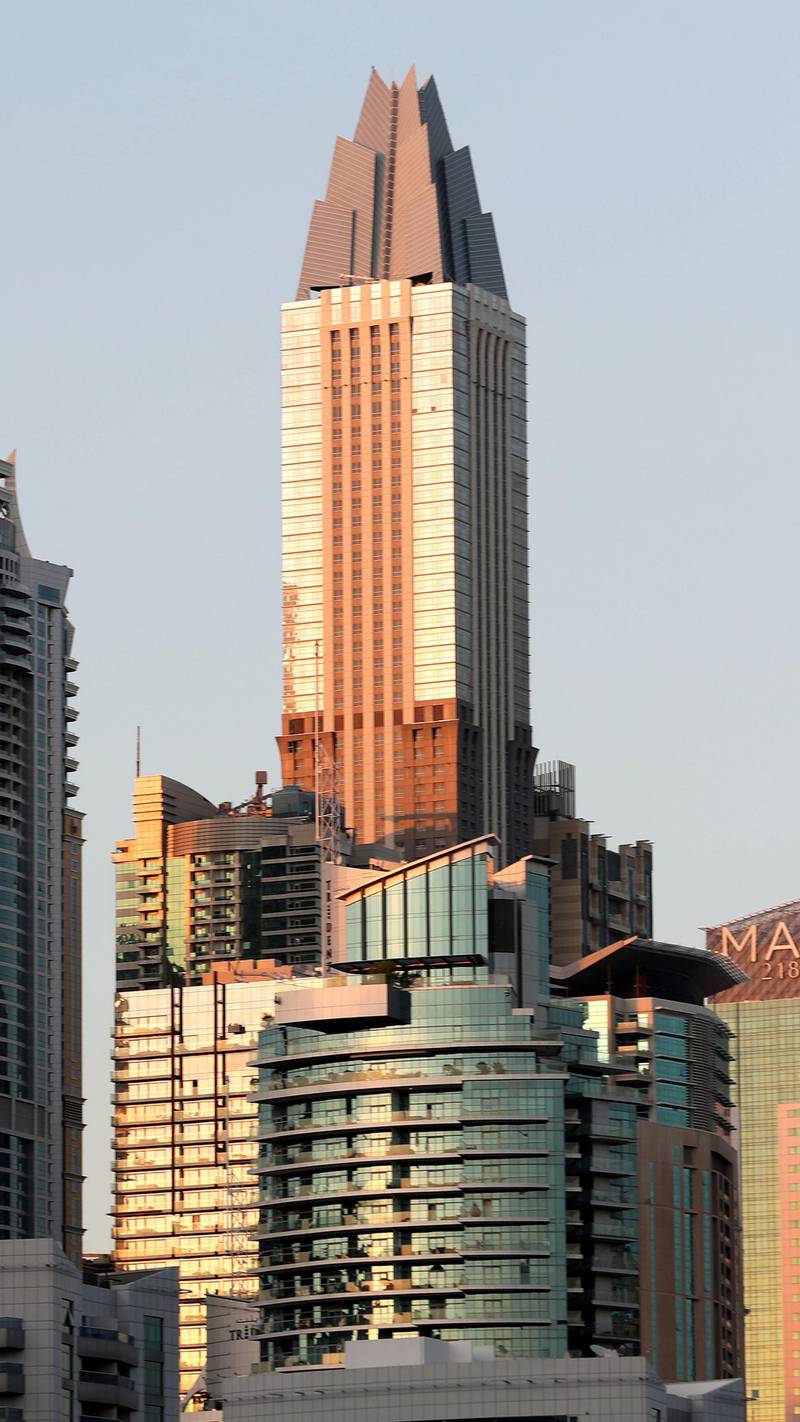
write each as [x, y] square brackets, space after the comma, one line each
[411, 1169]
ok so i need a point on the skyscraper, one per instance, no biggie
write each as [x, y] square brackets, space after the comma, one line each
[599, 894]
[442, 1150]
[646, 1001]
[40, 928]
[763, 1012]
[200, 883]
[185, 1138]
[405, 562]
[217, 905]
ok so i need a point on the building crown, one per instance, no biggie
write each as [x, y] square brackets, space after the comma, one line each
[401, 202]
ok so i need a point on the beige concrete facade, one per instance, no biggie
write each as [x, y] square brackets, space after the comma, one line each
[185, 1141]
[598, 894]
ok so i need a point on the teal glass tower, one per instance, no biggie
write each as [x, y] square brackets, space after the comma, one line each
[421, 1163]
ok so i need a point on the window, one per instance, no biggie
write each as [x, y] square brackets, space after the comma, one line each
[154, 1378]
[153, 1333]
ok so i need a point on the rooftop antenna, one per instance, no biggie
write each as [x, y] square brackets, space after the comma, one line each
[138, 751]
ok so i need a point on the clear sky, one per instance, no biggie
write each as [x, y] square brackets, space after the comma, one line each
[158, 162]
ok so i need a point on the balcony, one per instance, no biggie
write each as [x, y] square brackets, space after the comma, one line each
[12, 1379]
[614, 1261]
[107, 1343]
[605, 1163]
[612, 1333]
[106, 1390]
[12, 1333]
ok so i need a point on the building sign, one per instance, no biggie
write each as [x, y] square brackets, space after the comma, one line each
[767, 948]
[234, 1331]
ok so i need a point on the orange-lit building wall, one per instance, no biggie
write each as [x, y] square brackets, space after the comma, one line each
[764, 1016]
[405, 561]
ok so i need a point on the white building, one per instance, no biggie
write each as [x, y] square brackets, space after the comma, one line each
[72, 1350]
[433, 1381]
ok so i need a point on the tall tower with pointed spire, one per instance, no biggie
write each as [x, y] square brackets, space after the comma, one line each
[40, 923]
[405, 523]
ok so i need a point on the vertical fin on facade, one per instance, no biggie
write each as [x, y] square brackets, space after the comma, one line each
[400, 202]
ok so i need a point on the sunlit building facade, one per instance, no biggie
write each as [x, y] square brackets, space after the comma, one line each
[405, 544]
[185, 1139]
[216, 906]
[201, 883]
[40, 925]
[763, 1013]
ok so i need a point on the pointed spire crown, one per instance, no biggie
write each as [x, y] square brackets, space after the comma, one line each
[401, 201]
[9, 505]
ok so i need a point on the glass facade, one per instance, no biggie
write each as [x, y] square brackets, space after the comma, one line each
[405, 579]
[412, 1180]
[433, 909]
[440, 1152]
[671, 1056]
[767, 1094]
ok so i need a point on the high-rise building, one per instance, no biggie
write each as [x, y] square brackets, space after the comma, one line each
[441, 1153]
[200, 883]
[217, 906]
[85, 1346]
[599, 894]
[185, 1143]
[405, 524]
[646, 1002]
[763, 1013]
[40, 927]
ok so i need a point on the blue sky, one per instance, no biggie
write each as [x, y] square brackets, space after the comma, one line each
[158, 166]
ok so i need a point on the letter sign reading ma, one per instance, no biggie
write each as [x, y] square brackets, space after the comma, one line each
[767, 948]
[782, 941]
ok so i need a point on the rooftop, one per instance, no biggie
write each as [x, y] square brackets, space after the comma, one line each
[643, 967]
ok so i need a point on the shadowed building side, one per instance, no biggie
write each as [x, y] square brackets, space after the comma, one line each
[40, 927]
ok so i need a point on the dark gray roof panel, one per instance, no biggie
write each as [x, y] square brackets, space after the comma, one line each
[432, 114]
[485, 266]
[462, 201]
